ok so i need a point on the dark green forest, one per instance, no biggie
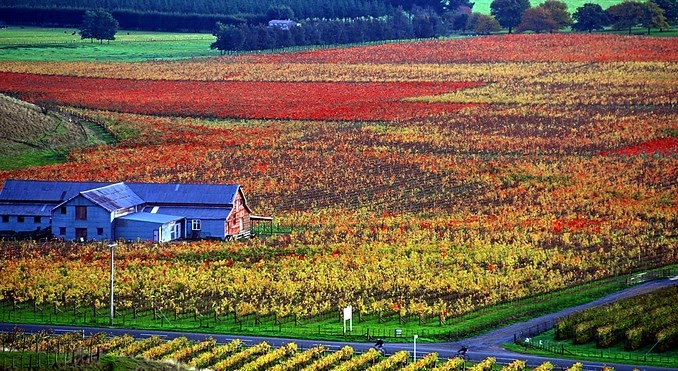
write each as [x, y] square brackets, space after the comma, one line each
[202, 15]
[302, 8]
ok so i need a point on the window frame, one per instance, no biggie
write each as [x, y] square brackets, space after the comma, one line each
[196, 225]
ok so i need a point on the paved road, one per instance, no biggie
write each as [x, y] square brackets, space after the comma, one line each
[481, 347]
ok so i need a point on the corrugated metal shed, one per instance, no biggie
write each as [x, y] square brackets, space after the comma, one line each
[40, 190]
[199, 194]
[152, 218]
[193, 212]
[26, 209]
[113, 197]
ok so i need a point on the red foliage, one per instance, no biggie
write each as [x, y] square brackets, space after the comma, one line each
[239, 99]
[577, 224]
[505, 48]
[663, 146]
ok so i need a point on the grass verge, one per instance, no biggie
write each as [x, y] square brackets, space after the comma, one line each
[545, 345]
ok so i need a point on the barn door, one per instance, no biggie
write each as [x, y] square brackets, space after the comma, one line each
[81, 234]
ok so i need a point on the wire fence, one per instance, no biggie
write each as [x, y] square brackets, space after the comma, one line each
[608, 355]
[525, 336]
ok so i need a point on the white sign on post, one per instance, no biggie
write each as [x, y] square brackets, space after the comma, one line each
[348, 316]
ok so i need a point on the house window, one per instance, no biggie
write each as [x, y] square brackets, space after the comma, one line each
[62, 209]
[62, 231]
[100, 231]
[20, 219]
[81, 213]
[195, 224]
[37, 220]
[5, 218]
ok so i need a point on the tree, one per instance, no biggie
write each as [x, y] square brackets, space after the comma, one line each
[426, 22]
[670, 10]
[589, 17]
[626, 15]
[279, 12]
[228, 37]
[559, 13]
[483, 24]
[98, 24]
[509, 12]
[458, 19]
[537, 19]
[437, 5]
[653, 17]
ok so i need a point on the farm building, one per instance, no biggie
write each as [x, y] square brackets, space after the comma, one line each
[131, 211]
[284, 24]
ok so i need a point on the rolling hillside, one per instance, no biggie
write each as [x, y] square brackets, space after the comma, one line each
[31, 136]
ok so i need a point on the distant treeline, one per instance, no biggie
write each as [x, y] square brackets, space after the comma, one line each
[128, 19]
[176, 15]
[397, 25]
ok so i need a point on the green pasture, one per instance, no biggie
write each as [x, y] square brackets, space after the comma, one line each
[59, 44]
[483, 6]
[545, 345]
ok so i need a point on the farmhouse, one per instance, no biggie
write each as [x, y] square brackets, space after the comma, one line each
[284, 24]
[98, 211]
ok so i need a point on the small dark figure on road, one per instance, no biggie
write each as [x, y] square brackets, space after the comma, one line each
[379, 346]
[461, 353]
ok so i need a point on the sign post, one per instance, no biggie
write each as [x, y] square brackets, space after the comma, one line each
[348, 316]
[415, 347]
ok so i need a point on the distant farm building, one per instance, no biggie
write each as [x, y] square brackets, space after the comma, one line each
[86, 211]
[285, 24]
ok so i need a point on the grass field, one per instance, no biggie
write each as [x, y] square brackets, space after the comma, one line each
[58, 44]
[544, 345]
[32, 137]
[483, 6]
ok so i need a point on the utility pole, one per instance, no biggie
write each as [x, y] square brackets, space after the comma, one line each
[112, 247]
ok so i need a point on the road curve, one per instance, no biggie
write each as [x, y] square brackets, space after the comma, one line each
[481, 347]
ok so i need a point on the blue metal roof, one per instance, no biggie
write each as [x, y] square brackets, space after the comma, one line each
[152, 218]
[113, 197]
[193, 212]
[177, 193]
[46, 191]
[26, 209]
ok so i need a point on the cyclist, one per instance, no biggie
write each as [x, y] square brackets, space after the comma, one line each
[379, 346]
[461, 353]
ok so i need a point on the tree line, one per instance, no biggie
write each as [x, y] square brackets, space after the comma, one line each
[518, 15]
[244, 32]
[552, 15]
[302, 8]
[127, 19]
